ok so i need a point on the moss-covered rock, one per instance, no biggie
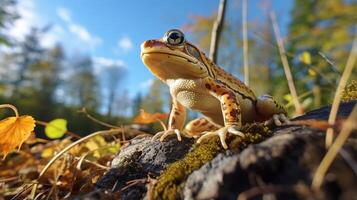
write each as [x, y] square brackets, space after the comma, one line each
[170, 181]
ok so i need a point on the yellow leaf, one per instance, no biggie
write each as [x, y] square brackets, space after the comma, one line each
[14, 131]
[305, 58]
[288, 97]
[311, 72]
[56, 128]
[147, 118]
[48, 152]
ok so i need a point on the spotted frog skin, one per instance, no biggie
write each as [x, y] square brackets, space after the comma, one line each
[197, 83]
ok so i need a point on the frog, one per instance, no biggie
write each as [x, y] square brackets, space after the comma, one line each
[195, 82]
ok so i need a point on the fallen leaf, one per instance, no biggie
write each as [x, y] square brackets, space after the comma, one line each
[56, 128]
[147, 118]
[14, 131]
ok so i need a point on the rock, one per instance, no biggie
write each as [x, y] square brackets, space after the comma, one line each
[279, 165]
[285, 160]
[205, 183]
[141, 158]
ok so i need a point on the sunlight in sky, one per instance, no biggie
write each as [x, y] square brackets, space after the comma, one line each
[111, 32]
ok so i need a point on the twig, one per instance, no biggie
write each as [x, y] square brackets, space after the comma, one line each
[336, 101]
[83, 110]
[332, 64]
[133, 183]
[334, 149]
[82, 158]
[11, 107]
[216, 31]
[284, 60]
[245, 42]
[48, 124]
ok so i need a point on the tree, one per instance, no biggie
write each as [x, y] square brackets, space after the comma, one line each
[325, 27]
[7, 16]
[155, 100]
[45, 81]
[112, 75]
[82, 85]
[137, 104]
[28, 56]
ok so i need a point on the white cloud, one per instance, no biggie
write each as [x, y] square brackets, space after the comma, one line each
[30, 19]
[27, 20]
[64, 14]
[146, 84]
[108, 62]
[125, 44]
[101, 62]
[78, 30]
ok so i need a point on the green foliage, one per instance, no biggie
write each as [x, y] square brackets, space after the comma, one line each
[325, 27]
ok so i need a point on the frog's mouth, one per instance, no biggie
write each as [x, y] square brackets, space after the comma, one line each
[171, 64]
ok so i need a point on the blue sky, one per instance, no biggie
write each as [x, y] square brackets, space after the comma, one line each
[111, 31]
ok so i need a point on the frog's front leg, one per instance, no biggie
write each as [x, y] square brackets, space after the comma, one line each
[176, 121]
[230, 109]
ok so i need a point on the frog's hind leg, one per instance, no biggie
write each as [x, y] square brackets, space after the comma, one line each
[271, 112]
[197, 127]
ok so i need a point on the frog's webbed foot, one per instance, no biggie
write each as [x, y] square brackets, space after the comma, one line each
[163, 134]
[278, 120]
[222, 133]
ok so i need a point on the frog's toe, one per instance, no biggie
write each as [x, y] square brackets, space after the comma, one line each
[206, 135]
[284, 119]
[220, 133]
[235, 130]
[157, 135]
[163, 134]
[278, 120]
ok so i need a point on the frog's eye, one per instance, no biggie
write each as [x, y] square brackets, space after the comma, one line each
[194, 52]
[174, 37]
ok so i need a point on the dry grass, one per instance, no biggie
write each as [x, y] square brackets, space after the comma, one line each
[338, 95]
[326, 162]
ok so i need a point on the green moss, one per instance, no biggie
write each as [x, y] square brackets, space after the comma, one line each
[169, 182]
[254, 133]
[350, 92]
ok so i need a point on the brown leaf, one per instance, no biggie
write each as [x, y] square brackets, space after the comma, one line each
[147, 118]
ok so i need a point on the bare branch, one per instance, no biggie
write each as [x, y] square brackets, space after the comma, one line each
[284, 60]
[245, 42]
[216, 30]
